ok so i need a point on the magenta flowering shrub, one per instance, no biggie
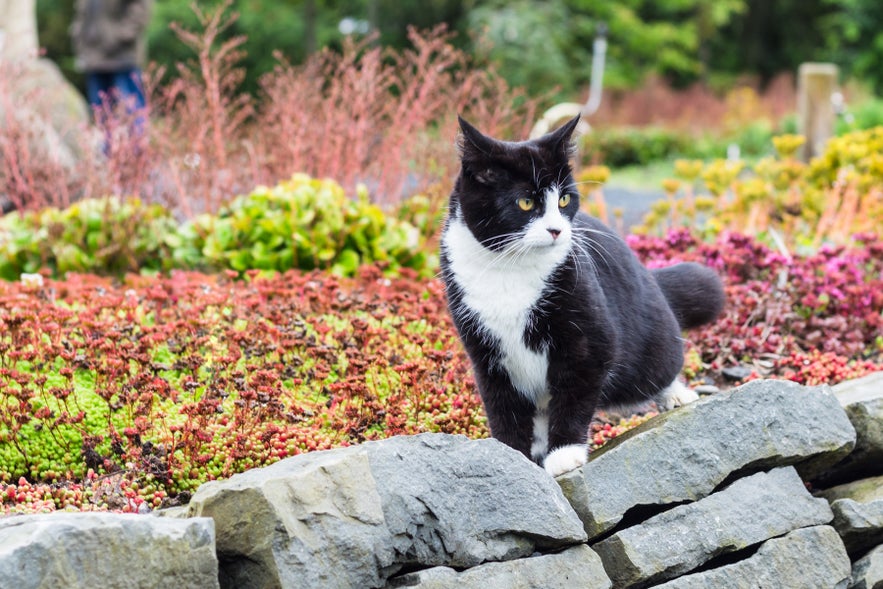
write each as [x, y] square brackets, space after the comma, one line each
[813, 319]
[128, 395]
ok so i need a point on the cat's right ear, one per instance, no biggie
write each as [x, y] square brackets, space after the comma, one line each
[472, 142]
[477, 152]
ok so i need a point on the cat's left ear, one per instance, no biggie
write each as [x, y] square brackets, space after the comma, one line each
[560, 140]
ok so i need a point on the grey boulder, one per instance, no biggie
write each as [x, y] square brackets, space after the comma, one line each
[809, 558]
[867, 572]
[87, 550]
[748, 512]
[859, 524]
[578, 566]
[683, 455]
[353, 517]
[863, 400]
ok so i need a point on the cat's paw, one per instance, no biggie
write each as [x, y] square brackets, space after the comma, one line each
[677, 394]
[565, 459]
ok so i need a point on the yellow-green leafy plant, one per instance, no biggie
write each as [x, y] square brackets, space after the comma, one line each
[835, 196]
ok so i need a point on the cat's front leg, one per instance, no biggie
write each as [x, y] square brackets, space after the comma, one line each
[509, 413]
[570, 414]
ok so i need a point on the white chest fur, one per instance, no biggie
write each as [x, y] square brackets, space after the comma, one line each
[499, 291]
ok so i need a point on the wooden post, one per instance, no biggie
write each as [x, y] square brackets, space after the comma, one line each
[816, 83]
[18, 30]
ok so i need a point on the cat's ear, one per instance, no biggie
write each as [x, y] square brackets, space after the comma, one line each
[477, 152]
[560, 140]
[473, 143]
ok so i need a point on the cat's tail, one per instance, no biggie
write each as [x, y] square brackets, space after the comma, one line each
[693, 291]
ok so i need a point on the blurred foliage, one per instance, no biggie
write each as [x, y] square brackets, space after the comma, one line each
[546, 46]
[108, 236]
[789, 203]
[301, 223]
[306, 224]
[619, 147]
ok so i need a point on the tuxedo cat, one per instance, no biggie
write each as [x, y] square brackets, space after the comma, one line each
[558, 316]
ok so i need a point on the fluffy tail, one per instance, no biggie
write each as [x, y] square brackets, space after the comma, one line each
[693, 291]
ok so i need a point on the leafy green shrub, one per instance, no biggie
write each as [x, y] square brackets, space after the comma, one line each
[865, 115]
[307, 224]
[107, 235]
[301, 223]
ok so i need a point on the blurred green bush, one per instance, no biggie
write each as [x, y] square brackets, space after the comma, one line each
[301, 223]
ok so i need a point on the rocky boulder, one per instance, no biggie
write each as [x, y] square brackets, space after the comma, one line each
[746, 513]
[684, 455]
[353, 517]
[863, 400]
[85, 550]
[579, 566]
[808, 557]
[858, 513]
[867, 573]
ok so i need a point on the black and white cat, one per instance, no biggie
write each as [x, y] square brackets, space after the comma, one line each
[558, 316]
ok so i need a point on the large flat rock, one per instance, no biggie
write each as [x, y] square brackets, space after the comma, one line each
[578, 566]
[88, 550]
[863, 400]
[867, 572]
[683, 455]
[809, 558]
[352, 517]
[748, 512]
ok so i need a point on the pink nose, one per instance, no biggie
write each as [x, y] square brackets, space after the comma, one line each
[554, 233]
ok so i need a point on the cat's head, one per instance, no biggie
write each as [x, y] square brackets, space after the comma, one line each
[516, 195]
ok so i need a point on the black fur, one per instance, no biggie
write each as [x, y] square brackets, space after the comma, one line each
[612, 328]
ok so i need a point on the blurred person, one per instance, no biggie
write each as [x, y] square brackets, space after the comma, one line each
[110, 46]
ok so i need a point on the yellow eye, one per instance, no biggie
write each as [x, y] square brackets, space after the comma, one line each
[564, 200]
[525, 204]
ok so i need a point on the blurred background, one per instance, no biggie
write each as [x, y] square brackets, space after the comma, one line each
[366, 92]
[546, 46]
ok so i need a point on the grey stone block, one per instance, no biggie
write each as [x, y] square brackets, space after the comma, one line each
[863, 400]
[578, 566]
[809, 558]
[859, 524]
[685, 454]
[88, 550]
[748, 512]
[867, 572]
[352, 517]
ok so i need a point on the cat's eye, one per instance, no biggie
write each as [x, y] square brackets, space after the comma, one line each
[564, 200]
[525, 203]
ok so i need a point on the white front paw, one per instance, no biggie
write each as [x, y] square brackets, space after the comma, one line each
[677, 394]
[565, 459]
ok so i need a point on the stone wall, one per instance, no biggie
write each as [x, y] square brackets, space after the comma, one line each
[712, 495]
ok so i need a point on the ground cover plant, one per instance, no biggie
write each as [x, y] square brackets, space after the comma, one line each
[127, 394]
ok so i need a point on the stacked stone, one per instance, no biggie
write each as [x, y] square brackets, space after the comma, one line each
[854, 487]
[712, 495]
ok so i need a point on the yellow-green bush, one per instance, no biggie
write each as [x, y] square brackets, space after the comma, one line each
[834, 196]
